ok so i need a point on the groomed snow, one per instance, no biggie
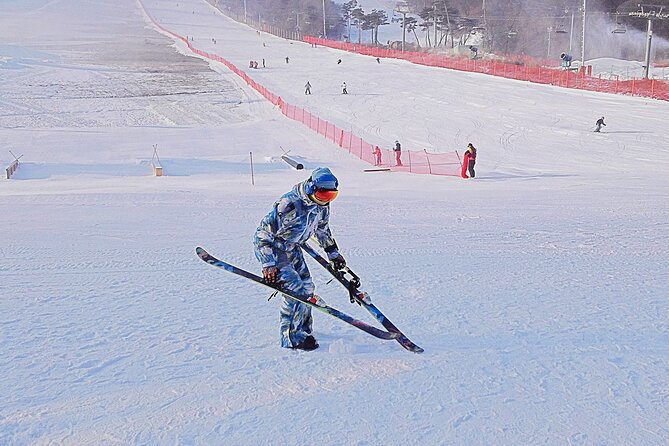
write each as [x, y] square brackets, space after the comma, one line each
[538, 290]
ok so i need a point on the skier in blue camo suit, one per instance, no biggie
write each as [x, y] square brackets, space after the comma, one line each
[297, 216]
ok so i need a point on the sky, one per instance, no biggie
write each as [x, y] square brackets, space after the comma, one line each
[538, 289]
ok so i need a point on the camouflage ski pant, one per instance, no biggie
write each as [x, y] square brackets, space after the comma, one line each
[296, 321]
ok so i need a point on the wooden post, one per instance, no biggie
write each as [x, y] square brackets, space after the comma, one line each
[155, 162]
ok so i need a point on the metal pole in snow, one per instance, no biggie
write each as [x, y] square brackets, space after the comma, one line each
[325, 31]
[649, 39]
[252, 177]
[571, 31]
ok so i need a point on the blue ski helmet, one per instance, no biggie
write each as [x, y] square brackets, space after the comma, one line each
[321, 179]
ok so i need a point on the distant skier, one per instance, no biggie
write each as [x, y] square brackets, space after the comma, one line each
[307, 88]
[378, 60]
[398, 154]
[298, 215]
[377, 156]
[343, 86]
[338, 61]
[566, 60]
[599, 124]
[469, 161]
[287, 59]
[475, 51]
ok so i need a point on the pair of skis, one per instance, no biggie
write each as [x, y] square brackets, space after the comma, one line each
[352, 284]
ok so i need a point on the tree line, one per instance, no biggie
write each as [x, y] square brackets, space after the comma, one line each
[507, 26]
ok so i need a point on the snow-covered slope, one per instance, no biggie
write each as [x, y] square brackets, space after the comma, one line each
[538, 290]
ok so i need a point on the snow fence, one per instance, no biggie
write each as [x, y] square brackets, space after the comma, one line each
[423, 162]
[519, 69]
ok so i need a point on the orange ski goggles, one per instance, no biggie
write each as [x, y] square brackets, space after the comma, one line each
[323, 197]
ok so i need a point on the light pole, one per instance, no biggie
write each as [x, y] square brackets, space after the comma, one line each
[325, 31]
[650, 15]
[649, 39]
[548, 54]
[403, 8]
[571, 31]
[583, 39]
[297, 21]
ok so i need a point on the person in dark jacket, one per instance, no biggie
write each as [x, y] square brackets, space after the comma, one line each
[599, 124]
[470, 156]
[398, 154]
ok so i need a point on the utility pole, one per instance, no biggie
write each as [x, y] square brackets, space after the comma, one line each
[649, 39]
[484, 18]
[548, 54]
[403, 8]
[654, 13]
[571, 31]
[448, 24]
[325, 31]
[583, 40]
[435, 25]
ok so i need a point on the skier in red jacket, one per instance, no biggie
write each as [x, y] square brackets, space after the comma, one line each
[377, 156]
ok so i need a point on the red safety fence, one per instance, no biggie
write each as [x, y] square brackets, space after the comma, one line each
[519, 69]
[447, 163]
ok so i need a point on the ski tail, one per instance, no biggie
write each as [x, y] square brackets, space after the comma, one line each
[352, 284]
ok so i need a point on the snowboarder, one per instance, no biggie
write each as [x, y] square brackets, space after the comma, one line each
[398, 154]
[377, 156]
[343, 86]
[307, 88]
[469, 161]
[297, 216]
[599, 124]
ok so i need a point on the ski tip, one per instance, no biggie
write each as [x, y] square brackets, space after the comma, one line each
[201, 253]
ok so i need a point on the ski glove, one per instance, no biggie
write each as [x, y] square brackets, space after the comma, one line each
[339, 263]
[270, 274]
